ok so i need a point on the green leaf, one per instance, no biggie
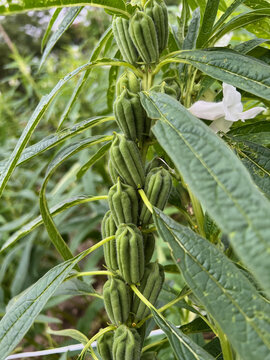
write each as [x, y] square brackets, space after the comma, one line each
[55, 210]
[195, 326]
[216, 282]
[8, 7]
[63, 155]
[55, 139]
[97, 156]
[257, 4]
[239, 21]
[193, 30]
[68, 19]
[84, 76]
[252, 76]
[256, 158]
[258, 132]
[234, 5]
[21, 315]
[39, 112]
[209, 17]
[72, 333]
[249, 45]
[183, 346]
[113, 73]
[217, 178]
[50, 25]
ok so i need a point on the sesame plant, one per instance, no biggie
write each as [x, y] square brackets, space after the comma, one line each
[185, 141]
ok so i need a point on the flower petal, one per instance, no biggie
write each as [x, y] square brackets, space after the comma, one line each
[221, 125]
[230, 95]
[207, 110]
[251, 113]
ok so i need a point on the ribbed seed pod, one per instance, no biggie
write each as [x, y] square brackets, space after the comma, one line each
[150, 287]
[143, 34]
[120, 31]
[157, 188]
[164, 89]
[130, 253]
[126, 344]
[126, 159]
[104, 345]
[149, 247]
[130, 115]
[128, 80]
[157, 10]
[108, 228]
[123, 201]
[117, 298]
[113, 173]
[149, 356]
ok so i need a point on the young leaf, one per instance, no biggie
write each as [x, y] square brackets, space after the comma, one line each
[193, 30]
[217, 282]
[183, 346]
[68, 19]
[209, 17]
[217, 178]
[72, 333]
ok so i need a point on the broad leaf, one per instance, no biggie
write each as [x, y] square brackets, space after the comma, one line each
[11, 7]
[68, 19]
[217, 282]
[252, 76]
[258, 132]
[183, 346]
[217, 178]
[55, 210]
[257, 160]
[193, 30]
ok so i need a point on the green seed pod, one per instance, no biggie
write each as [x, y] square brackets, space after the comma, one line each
[120, 31]
[149, 246]
[156, 162]
[157, 10]
[131, 116]
[123, 201]
[126, 344]
[113, 173]
[117, 297]
[149, 356]
[104, 345]
[173, 83]
[108, 228]
[143, 34]
[150, 287]
[130, 253]
[126, 160]
[157, 188]
[128, 80]
[164, 89]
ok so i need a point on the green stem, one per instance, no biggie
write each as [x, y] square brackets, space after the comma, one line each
[197, 212]
[145, 200]
[225, 346]
[95, 337]
[165, 307]
[91, 273]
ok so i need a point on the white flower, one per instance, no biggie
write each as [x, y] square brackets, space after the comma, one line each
[225, 112]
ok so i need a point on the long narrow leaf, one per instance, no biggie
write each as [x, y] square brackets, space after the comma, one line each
[184, 347]
[252, 76]
[11, 7]
[218, 179]
[50, 25]
[55, 210]
[63, 155]
[65, 24]
[208, 22]
[221, 288]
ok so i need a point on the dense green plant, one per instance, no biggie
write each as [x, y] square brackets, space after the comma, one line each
[178, 143]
